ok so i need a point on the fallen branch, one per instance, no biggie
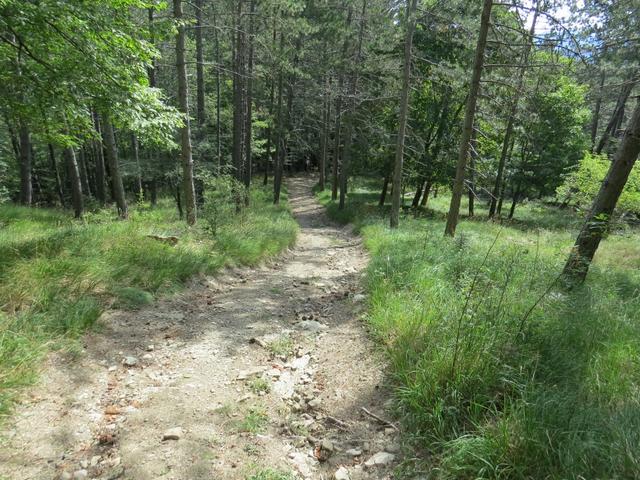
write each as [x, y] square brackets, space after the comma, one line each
[381, 420]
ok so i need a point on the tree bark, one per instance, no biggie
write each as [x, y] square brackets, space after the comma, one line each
[114, 167]
[599, 218]
[76, 183]
[325, 134]
[81, 160]
[425, 195]
[101, 193]
[404, 110]
[598, 105]
[200, 106]
[26, 186]
[458, 185]
[618, 113]
[415, 203]
[249, 106]
[385, 187]
[277, 174]
[185, 131]
[351, 105]
[56, 172]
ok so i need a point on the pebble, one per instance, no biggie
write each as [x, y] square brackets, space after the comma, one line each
[174, 433]
[80, 474]
[354, 452]
[315, 403]
[392, 448]
[65, 476]
[311, 326]
[341, 474]
[380, 459]
[359, 298]
[130, 361]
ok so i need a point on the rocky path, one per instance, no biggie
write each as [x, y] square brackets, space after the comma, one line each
[255, 370]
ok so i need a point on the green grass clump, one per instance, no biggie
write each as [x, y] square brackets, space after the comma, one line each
[270, 474]
[57, 275]
[499, 373]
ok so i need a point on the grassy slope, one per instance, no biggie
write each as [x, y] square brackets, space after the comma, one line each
[490, 387]
[57, 275]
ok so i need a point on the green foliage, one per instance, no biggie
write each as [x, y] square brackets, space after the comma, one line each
[57, 275]
[583, 184]
[498, 373]
[224, 198]
[270, 474]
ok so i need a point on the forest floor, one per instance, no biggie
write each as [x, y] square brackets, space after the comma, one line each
[260, 373]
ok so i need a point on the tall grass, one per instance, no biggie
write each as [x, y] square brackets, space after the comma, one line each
[498, 373]
[57, 275]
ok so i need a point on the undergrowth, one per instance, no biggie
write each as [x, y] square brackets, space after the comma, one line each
[57, 275]
[498, 372]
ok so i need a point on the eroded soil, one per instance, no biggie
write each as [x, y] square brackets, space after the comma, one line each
[265, 368]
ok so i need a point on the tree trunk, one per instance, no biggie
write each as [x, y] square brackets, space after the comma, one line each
[596, 109]
[277, 176]
[81, 160]
[325, 134]
[239, 96]
[383, 193]
[114, 167]
[425, 195]
[415, 203]
[599, 218]
[76, 183]
[514, 201]
[185, 131]
[136, 158]
[200, 107]
[56, 173]
[497, 188]
[404, 110]
[218, 100]
[618, 113]
[351, 105]
[249, 107]
[26, 186]
[101, 193]
[456, 193]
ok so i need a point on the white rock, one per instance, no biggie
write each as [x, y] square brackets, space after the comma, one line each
[359, 298]
[251, 372]
[380, 459]
[302, 463]
[311, 326]
[354, 452]
[80, 474]
[130, 361]
[341, 474]
[174, 433]
[299, 363]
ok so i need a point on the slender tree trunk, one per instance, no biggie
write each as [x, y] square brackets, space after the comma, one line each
[404, 110]
[84, 176]
[218, 100]
[514, 201]
[56, 173]
[415, 203]
[26, 186]
[277, 177]
[136, 158]
[101, 193]
[185, 131]
[76, 183]
[618, 112]
[200, 106]
[114, 167]
[425, 195]
[385, 187]
[596, 109]
[458, 186]
[599, 218]
[497, 188]
[239, 95]
[351, 106]
[249, 106]
[339, 99]
[325, 134]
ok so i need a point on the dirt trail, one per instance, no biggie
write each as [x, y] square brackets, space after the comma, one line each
[258, 368]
